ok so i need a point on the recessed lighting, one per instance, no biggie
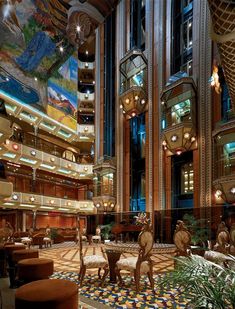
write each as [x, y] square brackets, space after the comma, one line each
[26, 205]
[46, 207]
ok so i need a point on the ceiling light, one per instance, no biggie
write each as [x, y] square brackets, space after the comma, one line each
[78, 28]
[178, 152]
[64, 209]
[174, 138]
[33, 153]
[136, 97]
[61, 49]
[186, 135]
[32, 199]
[52, 201]
[9, 204]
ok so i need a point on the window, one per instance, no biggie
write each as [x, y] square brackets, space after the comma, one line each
[182, 36]
[137, 26]
[187, 183]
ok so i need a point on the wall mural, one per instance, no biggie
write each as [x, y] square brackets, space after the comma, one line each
[62, 93]
[32, 51]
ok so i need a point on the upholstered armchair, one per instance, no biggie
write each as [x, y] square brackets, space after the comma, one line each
[182, 239]
[91, 262]
[142, 264]
[97, 236]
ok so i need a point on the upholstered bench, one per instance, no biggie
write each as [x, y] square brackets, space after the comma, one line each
[47, 294]
[35, 269]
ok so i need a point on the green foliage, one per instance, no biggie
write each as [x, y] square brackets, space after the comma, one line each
[197, 228]
[106, 230]
[54, 233]
[203, 283]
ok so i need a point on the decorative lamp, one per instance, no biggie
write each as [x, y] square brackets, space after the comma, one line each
[133, 83]
[178, 102]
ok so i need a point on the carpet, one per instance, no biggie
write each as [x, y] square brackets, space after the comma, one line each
[124, 297]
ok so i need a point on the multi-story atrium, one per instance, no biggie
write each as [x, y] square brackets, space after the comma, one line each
[110, 109]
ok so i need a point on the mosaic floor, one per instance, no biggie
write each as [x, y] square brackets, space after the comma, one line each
[66, 265]
[114, 296]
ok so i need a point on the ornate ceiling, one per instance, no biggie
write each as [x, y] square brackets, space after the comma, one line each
[223, 32]
[67, 15]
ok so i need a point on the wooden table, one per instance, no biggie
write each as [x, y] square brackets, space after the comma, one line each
[114, 251]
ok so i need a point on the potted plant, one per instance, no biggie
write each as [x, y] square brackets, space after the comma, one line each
[106, 231]
[203, 283]
[197, 228]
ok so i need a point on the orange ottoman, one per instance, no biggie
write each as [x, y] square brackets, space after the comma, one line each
[24, 254]
[47, 294]
[35, 269]
[10, 248]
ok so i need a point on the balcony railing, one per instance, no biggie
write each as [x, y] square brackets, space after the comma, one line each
[45, 146]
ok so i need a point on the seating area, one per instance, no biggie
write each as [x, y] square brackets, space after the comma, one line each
[131, 267]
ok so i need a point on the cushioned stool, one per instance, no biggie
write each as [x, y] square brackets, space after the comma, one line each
[47, 294]
[35, 269]
[24, 254]
[3, 262]
[18, 255]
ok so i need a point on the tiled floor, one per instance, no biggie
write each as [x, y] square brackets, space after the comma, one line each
[66, 257]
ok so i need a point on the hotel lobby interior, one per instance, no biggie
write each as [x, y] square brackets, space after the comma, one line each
[117, 138]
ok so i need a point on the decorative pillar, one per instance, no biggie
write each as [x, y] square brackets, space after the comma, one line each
[34, 219]
[120, 51]
[97, 94]
[24, 222]
[202, 68]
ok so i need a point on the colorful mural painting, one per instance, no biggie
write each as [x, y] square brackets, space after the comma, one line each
[62, 93]
[31, 50]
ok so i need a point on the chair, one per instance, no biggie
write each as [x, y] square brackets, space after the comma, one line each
[182, 239]
[84, 237]
[92, 261]
[232, 239]
[222, 239]
[97, 236]
[141, 264]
